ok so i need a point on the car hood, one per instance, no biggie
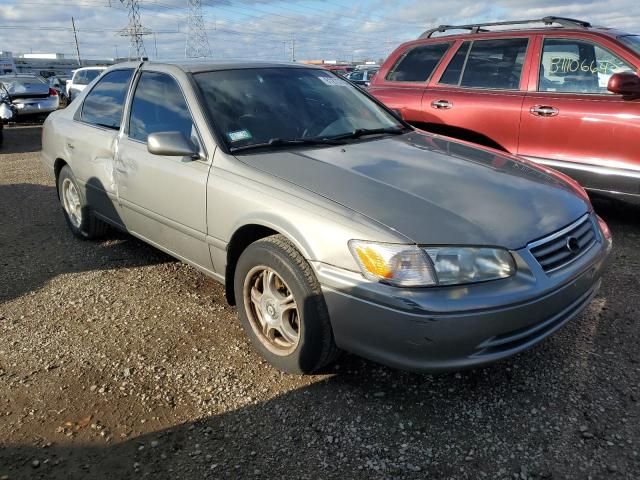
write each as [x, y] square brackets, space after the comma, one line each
[434, 190]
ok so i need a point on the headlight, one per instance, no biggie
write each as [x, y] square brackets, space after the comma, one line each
[455, 265]
[412, 266]
[400, 265]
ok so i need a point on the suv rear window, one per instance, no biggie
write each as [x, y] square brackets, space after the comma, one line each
[495, 64]
[418, 63]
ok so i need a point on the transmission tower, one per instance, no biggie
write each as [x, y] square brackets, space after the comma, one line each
[197, 44]
[135, 31]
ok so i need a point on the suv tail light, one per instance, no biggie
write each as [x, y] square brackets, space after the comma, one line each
[53, 92]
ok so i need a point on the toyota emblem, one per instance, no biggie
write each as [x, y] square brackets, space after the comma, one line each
[573, 245]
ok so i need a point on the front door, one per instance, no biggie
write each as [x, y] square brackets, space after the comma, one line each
[163, 198]
[479, 95]
[571, 122]
[402, 87]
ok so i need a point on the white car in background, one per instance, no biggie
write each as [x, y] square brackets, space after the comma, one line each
[81, 78]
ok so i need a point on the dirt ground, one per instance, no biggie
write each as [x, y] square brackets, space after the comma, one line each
[118, 362]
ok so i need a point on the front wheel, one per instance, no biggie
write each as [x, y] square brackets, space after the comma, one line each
[282, 309]
[76, 210]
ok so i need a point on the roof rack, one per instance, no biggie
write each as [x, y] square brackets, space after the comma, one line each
[479, 27]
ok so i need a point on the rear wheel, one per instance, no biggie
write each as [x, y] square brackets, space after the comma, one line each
[282, 309]
[81, 222]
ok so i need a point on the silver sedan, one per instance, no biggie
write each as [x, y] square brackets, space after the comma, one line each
[28, 94]
[332, 224]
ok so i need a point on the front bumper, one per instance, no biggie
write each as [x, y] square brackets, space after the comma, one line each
[31, 106]
[450, 328]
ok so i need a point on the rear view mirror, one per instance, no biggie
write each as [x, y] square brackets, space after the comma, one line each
[624, 83]
[171, 144]
[5, 112]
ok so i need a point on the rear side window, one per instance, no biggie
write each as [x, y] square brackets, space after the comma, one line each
[495, 64]
[159, 106]
[104, 103]
[576, 66]
[418, 64]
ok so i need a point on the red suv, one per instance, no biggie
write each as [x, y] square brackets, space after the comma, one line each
[565, 95]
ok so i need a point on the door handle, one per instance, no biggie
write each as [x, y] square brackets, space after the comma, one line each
[70, 145]
[544, 111]
[441, 104]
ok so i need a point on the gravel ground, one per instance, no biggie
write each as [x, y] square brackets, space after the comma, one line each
[118, 362]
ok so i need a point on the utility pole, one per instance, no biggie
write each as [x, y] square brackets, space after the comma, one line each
[293, 48]
[75, 35]
[135, 31]
[197, 42]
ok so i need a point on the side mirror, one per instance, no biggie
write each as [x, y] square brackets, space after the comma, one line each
[6, 113]
[171, 144]
[624, 83]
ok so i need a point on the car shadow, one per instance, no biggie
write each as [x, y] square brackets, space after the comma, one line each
[21, 138]
[38, 246]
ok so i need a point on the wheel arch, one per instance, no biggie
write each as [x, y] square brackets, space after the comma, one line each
[242, 237]
[58, 165]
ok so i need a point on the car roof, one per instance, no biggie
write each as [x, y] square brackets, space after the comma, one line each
[208, 65]
[21, 75]
[95, 67]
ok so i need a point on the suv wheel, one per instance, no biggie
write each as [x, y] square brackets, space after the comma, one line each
[282, 309]
[76, 211]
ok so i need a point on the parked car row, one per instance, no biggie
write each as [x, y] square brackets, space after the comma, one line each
[333, 224]
[566, 95]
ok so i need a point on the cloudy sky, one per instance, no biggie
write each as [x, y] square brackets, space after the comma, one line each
[267, 29]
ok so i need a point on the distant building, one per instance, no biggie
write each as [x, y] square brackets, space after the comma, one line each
[6, 63]
[45, 64]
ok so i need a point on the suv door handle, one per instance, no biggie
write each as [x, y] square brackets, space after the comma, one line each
[441, 104]
[544, 111]
[70, 145]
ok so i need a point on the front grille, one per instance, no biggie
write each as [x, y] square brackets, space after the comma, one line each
[564, 246]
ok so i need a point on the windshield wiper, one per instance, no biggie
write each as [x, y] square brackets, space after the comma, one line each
[361, 132]
[279, 142]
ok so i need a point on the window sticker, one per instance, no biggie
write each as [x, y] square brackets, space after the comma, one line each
[333, 82]
[239, 135]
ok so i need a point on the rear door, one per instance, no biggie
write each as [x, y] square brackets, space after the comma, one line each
[402, 86]
[479, 95]
[92, 142]
[570, 120]
[163, 198]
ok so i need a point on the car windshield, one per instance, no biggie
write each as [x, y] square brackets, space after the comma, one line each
[274, 105]
[88, 77]
[631, 41]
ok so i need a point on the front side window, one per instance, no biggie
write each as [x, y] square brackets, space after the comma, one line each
[159, 106]
[493, 64]
[104, 104]
[418, 64]
[261, 105]
[576, 66]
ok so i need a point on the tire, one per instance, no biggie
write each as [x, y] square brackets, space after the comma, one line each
[315, 347]
[82, 223]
